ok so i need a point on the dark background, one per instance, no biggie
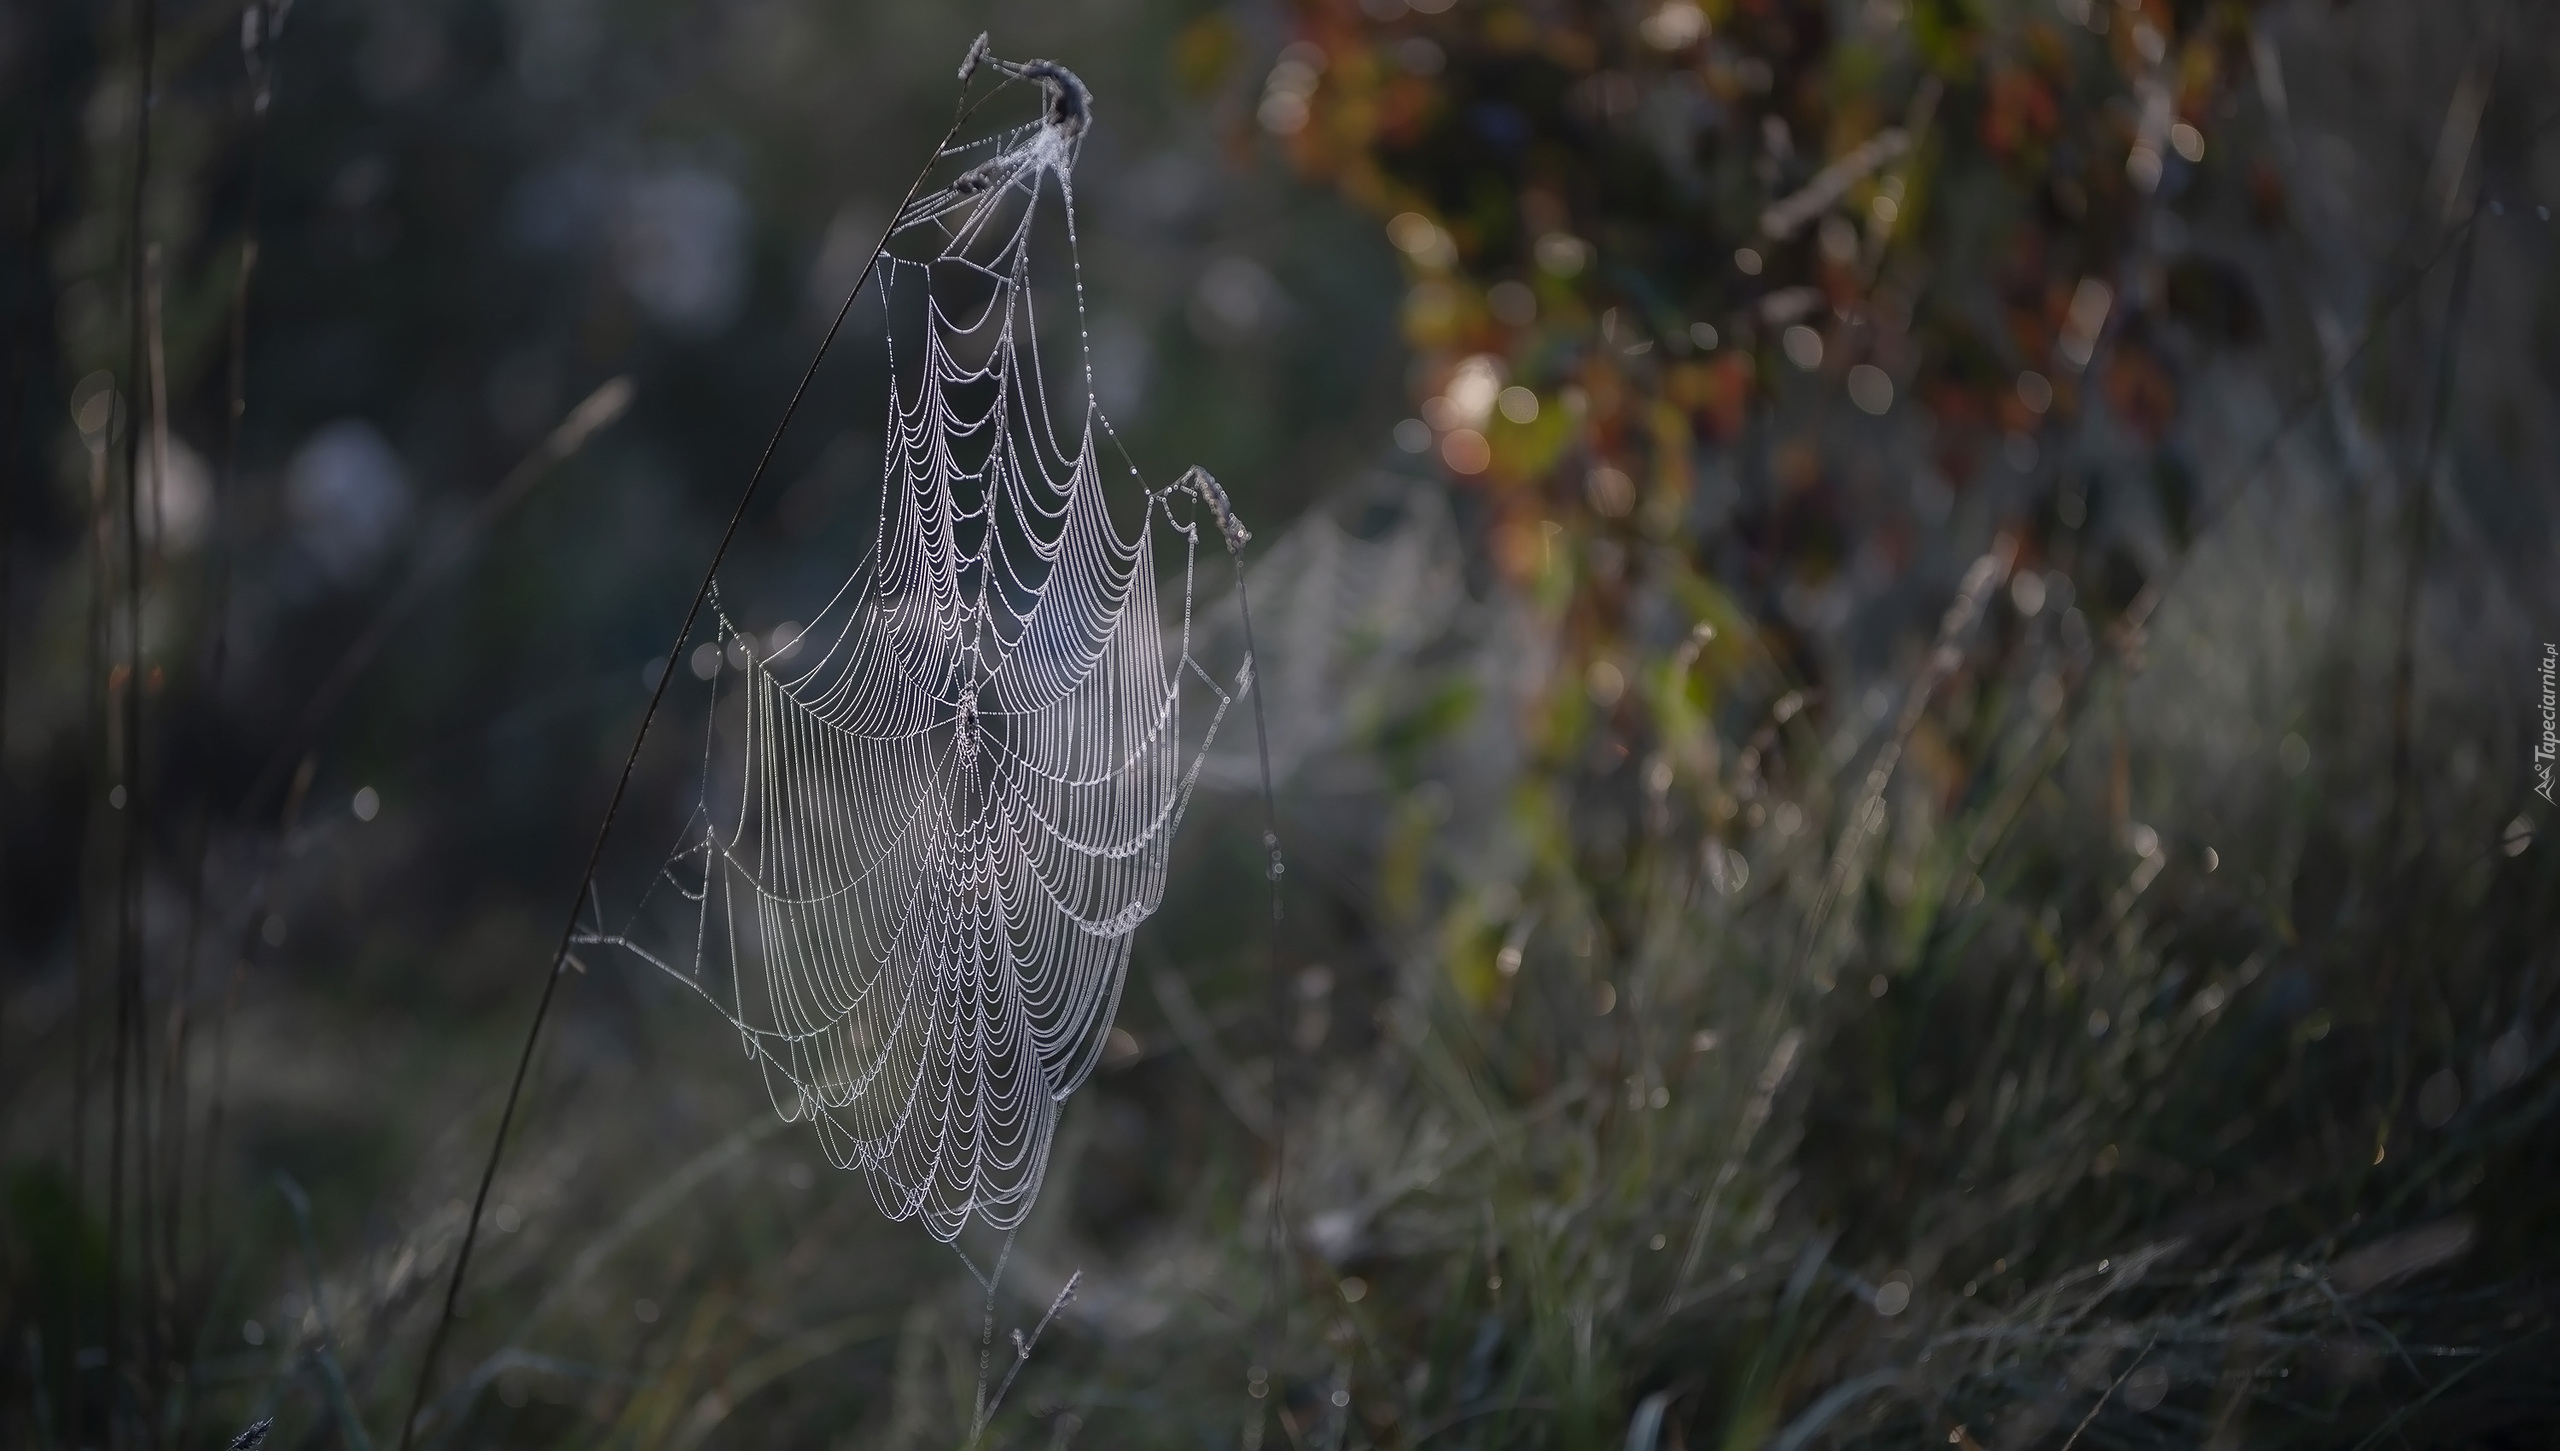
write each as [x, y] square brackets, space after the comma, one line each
[2128, 997]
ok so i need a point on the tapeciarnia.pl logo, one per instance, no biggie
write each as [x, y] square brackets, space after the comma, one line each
[2549, 746]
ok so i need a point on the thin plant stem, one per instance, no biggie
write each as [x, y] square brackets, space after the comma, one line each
[599, 409]
[103, 765]
[22, 462]
[961, 109]
[980, 1410]
[1277, 1229]
[2138, 612]
[1211, 494]
[2421, 515]
[127, 1055]
[259, 53]
[2108, 1394]
[16, 450]
[333, 1379]
[221, 1076]
[1023, 1345]
[163, 1111]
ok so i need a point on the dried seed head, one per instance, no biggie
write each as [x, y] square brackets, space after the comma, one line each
[1070, 104]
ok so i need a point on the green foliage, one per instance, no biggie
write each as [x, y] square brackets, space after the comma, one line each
[1982, 1125]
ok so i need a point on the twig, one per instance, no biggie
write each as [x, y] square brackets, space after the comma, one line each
[1201, 1041]
[260, 27]
[986, 1334]
[1023, 1346]
[2106, 1394]
[1451, 1421]
[2402, 1416]
[95, 696]
[1866, 814]
[2411, 278]
[1206, 487]
[128, 1017]
[163, 1145]
[586, 879]
[1785, 216]
[597, 411]
[333, 1378]
[647, 1210]
[2147, 600]
[25, 311]
[2421, 527]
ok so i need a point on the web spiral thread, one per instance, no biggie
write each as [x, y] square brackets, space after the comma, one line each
[946, 806]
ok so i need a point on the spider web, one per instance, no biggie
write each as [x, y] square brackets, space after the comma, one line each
[1363, 622]
[929, 823]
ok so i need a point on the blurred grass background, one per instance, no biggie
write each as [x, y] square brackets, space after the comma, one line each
[1902, 647]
